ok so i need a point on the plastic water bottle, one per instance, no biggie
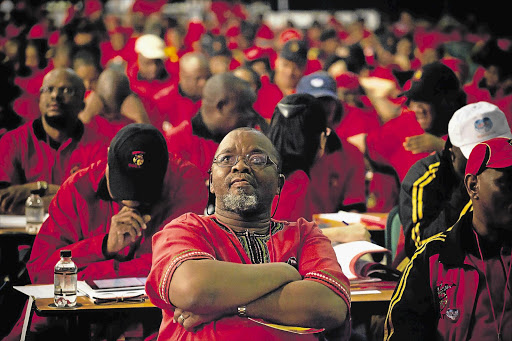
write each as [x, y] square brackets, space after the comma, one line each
[34, 212]
[64, 281]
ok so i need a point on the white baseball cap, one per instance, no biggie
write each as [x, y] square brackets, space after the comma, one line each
[150, 46]
[475, 123]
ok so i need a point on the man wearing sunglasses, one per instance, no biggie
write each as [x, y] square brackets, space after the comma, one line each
[213, 276]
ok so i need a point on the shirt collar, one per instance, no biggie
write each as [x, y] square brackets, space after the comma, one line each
[37, 125]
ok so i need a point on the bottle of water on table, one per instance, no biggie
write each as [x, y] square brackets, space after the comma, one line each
[34, 212]
[65, 281]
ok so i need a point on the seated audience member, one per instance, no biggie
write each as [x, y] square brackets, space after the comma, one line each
[47, 150]
[107, 213]
[86, 66]
[289, 69]
[207, 270]
[226, 105]
[432, 196]
[151, 75]
[182, 104]
[422, 122]
[456, 286]
[315, 161]
[113, 105]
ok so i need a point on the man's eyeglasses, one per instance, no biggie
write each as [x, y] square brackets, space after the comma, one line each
[255, 160]
[62, 91]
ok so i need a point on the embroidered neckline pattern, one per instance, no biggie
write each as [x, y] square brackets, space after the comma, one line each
[255, 244]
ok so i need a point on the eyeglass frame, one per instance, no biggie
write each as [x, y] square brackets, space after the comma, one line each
[64, 90]
[268, 162]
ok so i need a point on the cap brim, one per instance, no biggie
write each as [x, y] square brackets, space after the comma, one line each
[321, 93]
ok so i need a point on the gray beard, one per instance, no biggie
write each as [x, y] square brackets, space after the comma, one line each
[240, 203]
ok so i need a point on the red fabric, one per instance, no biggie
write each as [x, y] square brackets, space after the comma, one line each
[294, 201]
[103, 127]
[385, 144]
[176, 108]
[27, 105]
[151, 92]
[182, 142]
[338, 179]
[268, 96]
[200, 237]
[385, 72]
[79, 221]
[312, 65]
[357, 121]
[383, 193]
[505, 104]
[26, 159]
[148, 7]
[127, 53]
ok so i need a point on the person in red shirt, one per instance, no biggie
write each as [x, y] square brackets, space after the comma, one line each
[338, 177]
[107, 213]
[225, 257]
[87, 68]
[113, 105]
[50, 148]
[152, 76]
[227, 104]
[183, 104]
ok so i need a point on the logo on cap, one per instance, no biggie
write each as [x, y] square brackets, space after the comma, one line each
[484, 125]
[417, 75]
[137, 159]
[294, 47]
[317, 82]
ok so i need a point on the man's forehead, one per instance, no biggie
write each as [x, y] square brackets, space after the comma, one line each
[60, 76]
[245, 140]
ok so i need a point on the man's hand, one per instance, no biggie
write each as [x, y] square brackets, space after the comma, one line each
[424, 143]
[192, 322]
[125, 228]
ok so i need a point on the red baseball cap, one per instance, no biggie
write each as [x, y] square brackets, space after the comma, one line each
[494, 153]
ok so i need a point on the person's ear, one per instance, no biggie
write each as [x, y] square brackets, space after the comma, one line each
[472, 186]
[210, 182]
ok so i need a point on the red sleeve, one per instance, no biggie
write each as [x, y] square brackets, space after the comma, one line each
[318, 262]
[182, 239]
[9, 157]
[385, 144]
[63, 230]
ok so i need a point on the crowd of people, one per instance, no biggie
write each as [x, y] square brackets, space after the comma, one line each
[239, 133]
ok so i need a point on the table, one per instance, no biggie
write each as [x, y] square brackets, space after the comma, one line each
[80, 317]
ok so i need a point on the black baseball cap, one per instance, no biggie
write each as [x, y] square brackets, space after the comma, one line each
[295, 51]
[431, 82]
[137, 163]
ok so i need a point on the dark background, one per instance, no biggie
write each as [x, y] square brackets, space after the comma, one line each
[496, 15]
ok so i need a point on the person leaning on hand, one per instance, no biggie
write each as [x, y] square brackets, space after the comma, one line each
[210, 274]
[107, 213]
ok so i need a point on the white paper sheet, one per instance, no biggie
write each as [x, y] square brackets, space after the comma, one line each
[14, 221]
[38, 291]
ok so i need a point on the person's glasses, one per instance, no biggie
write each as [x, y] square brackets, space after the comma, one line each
[255, 160]
[62, 91]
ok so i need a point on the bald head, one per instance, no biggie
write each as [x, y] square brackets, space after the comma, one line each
[227, 103]
[70, 75]
[113, 87]
[194, 71]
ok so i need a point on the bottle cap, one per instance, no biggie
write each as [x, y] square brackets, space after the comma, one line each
[65, 253]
